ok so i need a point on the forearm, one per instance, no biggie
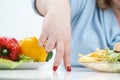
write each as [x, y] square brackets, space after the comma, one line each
[44, 6]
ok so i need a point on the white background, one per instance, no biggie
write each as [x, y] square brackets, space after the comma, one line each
[18, 19]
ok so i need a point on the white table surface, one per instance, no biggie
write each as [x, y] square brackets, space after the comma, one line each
[45, 73]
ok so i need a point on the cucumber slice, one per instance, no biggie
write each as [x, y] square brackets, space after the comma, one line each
[49, 56]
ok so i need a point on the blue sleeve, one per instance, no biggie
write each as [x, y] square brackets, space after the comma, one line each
[76, 7]
[111, 27]
[112, 31]
[113, 36]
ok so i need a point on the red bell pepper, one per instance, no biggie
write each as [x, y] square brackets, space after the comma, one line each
[9, 48]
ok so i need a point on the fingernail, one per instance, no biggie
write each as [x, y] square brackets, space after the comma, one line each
[68, 68]
[55, 68]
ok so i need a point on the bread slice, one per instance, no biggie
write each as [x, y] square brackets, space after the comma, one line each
[117, 47]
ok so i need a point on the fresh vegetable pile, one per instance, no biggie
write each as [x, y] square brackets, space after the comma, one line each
[13, 52]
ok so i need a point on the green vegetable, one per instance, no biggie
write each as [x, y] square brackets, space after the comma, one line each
[23, 58]
[9, 63]
[49, 56]
[112, 56]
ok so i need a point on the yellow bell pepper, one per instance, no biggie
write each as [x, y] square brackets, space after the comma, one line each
[29, 47]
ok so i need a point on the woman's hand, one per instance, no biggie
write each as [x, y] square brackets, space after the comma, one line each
[56, 31]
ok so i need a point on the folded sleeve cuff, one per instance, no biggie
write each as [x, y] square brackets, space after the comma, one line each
[35, 8]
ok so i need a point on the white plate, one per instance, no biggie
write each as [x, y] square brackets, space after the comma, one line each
[104, 67]
[27, 65]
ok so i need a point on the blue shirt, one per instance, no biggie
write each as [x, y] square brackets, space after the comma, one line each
[91, 28]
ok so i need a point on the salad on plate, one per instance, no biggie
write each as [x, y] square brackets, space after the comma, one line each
[102, 60]
[26, 52]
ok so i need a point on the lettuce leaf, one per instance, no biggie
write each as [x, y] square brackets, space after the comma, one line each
[11, 64]
[23, 58]
[112, 56]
